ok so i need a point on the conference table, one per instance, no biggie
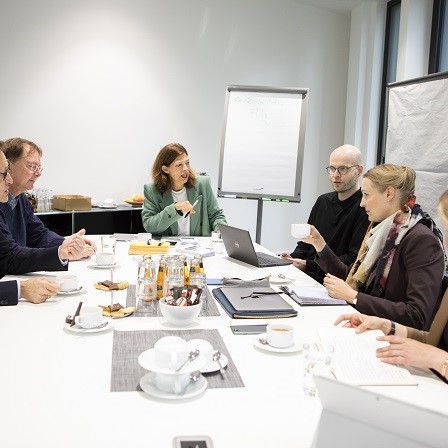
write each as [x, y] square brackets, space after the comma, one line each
[56, 387]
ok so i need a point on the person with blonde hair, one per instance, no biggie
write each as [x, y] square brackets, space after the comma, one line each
[178, 202]
[400, 265]
[427, 349]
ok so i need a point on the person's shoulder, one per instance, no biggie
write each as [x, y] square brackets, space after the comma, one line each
[151, 188]
[202, 180]
[420, 233]
[331, 196]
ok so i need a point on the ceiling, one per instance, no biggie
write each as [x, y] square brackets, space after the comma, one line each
[340, 6]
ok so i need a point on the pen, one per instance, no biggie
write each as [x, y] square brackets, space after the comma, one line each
[195, 202]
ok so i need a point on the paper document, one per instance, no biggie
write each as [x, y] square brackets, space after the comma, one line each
[314, 295]
[355, 360]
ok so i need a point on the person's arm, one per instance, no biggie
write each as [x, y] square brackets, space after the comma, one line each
[214, 211]
[420, 264]
[37, 235]
[414, 353]
[9, 292]
[157, 217]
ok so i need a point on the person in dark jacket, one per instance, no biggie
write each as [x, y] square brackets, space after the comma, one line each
[401, 263]
[337, 215]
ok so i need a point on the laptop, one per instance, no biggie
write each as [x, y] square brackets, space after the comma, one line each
[353, 414]
[238, 244]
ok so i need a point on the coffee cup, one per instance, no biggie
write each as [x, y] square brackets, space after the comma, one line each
[104, 259]
[68, 282]
[172, 384]
[300, 230]
[170, 352]
[144, 236]
[109, 201]
[280, 335]
[89, 317]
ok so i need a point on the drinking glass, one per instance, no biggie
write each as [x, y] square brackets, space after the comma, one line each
[317, 360]
[108, 244]
[218, 245]
[146, 281]
[199, 279]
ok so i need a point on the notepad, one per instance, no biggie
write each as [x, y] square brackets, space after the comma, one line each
[355, 360]
[313, 295]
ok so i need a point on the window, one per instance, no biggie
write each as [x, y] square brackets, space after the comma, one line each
[438, 55]
[389, 65]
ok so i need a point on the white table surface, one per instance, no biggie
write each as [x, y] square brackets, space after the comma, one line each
[55, 386]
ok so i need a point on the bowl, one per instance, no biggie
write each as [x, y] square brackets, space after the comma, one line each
[180, 316]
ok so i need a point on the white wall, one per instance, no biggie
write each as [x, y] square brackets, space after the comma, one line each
[102, 85]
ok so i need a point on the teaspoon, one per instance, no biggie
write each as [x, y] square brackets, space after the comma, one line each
[191, 356]
[216, 358]
[283, 277]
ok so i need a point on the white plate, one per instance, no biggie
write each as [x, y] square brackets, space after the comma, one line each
[76, 329]
[147, 361]
[103, 266]
[297, 347]
[214, 366]
[69, 293]
[107, 205]
[193, 389]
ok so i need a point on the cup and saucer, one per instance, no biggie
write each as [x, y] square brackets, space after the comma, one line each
[69, 285]
[108, 203]
[90, 320]
[279, 338]
[172, 375]
[104, 260]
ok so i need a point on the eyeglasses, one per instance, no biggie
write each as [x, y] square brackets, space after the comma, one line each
[35, 168]
[5, 173]
[340, 169]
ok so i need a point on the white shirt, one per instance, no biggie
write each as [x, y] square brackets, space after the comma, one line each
[183, 224]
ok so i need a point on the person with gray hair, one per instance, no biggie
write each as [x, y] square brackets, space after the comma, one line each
[337, 215]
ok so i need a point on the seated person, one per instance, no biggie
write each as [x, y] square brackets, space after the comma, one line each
[400, 265]
[16, 260]
[17, 219]
[34, 290]
[407, 345]
[337, 215]
[178, 202]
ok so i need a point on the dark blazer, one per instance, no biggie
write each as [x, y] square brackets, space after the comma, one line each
[15, 260]
[414, 286]
[8, 293]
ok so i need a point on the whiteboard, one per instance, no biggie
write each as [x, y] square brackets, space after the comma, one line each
[417, 134]
[262, 143]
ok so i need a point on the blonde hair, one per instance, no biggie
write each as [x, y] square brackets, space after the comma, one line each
[402, 178]
[443, 205]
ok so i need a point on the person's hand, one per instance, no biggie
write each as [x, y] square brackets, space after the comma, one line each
[338, 288]
[362, 322]
[87, 252]
[91, 244]
[410, 352]
[37, 290]
[315, 239]
[72, 247]
[185, 207]
[297, 262]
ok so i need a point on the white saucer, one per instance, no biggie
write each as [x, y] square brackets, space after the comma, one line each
[69, 293]
[104, 266]
[146, 360]
[280, 281]
[214, 366]
[297, 347]
[76, 329]
[107, 205]
[193, 388]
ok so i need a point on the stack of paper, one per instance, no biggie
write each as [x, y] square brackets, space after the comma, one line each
[355, 360]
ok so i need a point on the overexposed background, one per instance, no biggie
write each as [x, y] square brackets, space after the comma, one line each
[103, 85]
